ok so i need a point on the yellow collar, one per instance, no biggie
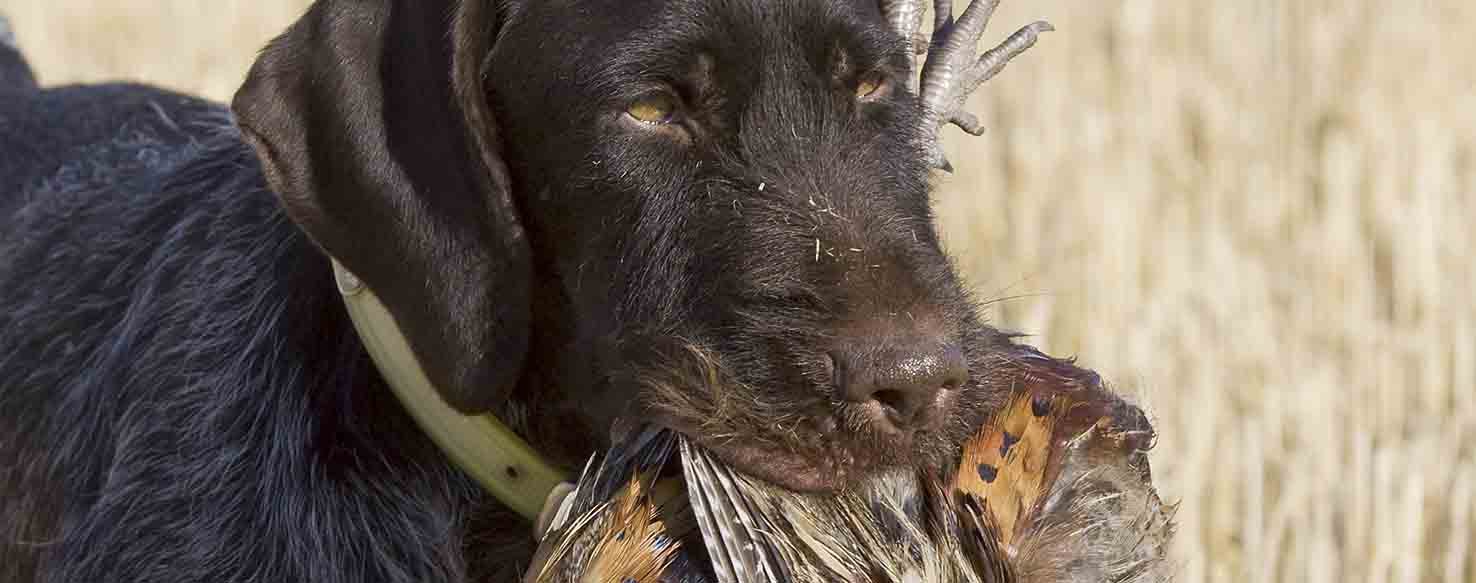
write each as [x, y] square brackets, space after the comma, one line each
[504, 464]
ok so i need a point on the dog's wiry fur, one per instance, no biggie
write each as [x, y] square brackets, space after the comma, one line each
[176, 416]
[797, 219]
[182, 397]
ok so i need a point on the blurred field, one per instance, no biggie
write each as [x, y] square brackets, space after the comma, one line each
[1253, 214]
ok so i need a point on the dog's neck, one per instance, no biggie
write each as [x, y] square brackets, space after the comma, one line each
[481, 445]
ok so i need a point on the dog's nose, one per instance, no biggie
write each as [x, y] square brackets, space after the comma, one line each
[906, 383]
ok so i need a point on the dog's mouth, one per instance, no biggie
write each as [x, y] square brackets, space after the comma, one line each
[800, 439]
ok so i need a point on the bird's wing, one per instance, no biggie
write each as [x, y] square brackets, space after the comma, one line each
[734, 530]
[623, 523]
[1057, 486]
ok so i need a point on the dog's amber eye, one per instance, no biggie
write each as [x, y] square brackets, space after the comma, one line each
[656, 109]
[870, 85]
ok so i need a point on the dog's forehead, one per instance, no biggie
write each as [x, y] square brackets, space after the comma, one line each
[743, 26]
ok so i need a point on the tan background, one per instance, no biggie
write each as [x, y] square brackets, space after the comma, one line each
[1254, 214]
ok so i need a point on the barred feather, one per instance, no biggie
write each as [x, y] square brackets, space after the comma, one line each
[624, 523]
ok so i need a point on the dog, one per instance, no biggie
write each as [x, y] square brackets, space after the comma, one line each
[565, 206]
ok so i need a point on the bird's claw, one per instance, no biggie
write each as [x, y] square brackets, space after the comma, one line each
[953, 70]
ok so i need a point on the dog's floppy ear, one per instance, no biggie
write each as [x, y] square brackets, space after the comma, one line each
[372, 124]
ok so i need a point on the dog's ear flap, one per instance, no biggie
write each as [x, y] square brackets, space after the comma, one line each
[372, 124]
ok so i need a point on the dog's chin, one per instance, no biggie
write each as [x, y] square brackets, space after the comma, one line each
[785, 469]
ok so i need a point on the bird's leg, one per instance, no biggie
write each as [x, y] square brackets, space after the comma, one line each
[953, 70]
[906, 18]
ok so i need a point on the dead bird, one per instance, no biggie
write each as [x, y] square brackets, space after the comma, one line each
[1056, 487]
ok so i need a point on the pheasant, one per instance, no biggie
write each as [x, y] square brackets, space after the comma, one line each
[1055, 487]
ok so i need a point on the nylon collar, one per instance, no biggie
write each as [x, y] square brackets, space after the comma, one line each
[481, 445]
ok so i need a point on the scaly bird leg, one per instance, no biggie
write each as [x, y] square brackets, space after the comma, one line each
[952, 71]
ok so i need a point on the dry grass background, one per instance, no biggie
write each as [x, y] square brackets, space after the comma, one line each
[1254, 214]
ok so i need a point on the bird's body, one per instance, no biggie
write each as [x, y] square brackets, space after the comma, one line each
[1056, 487]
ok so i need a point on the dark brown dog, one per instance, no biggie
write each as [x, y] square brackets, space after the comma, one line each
[557, 200]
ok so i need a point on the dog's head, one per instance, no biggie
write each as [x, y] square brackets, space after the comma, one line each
[715, 212]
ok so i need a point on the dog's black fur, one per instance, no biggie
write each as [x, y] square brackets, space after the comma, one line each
[184, 399]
